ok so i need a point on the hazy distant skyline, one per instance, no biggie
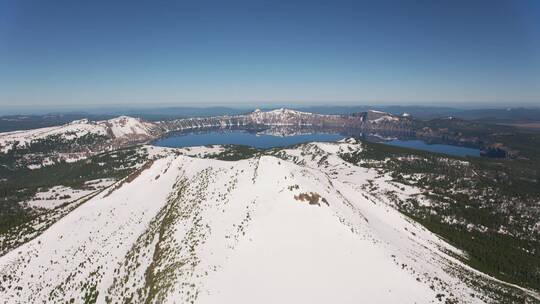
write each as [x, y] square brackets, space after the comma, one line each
[250, 53]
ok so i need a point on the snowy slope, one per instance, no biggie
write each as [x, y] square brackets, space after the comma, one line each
[300, 226]
[126, 126]
[69, 131]
[114, 128]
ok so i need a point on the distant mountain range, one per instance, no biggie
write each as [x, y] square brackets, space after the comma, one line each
[83, 137]
[370, 120]
[500, 115]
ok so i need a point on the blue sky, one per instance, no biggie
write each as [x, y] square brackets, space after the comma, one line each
[262, 52]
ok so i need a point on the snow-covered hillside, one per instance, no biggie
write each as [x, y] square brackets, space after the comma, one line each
[284, 117]
[128, 126]
[119, 127]
[74, 141]
[298, 225]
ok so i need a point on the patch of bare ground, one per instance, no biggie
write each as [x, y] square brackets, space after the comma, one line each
[312, 198]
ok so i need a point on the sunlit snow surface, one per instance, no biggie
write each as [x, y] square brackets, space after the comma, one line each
[118, 127]
[58, 195]
[208, 231]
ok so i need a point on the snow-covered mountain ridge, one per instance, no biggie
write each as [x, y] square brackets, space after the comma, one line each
[294, 225]
[129, 127]
[371, 120]
[120, 127]
[81, 138]
[126, 128]
[73, 141]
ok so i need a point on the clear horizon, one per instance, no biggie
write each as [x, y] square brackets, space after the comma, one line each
[114, 109]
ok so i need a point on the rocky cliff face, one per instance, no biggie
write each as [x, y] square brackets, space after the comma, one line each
[369, 121]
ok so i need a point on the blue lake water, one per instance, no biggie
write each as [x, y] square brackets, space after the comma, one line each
[241, 138]
[264, 141]
[439, 148]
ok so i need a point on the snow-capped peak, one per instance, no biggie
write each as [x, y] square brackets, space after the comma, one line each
[126, 125]
[79, 121]
[379, 117]
[283, 111]
[379, 112]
